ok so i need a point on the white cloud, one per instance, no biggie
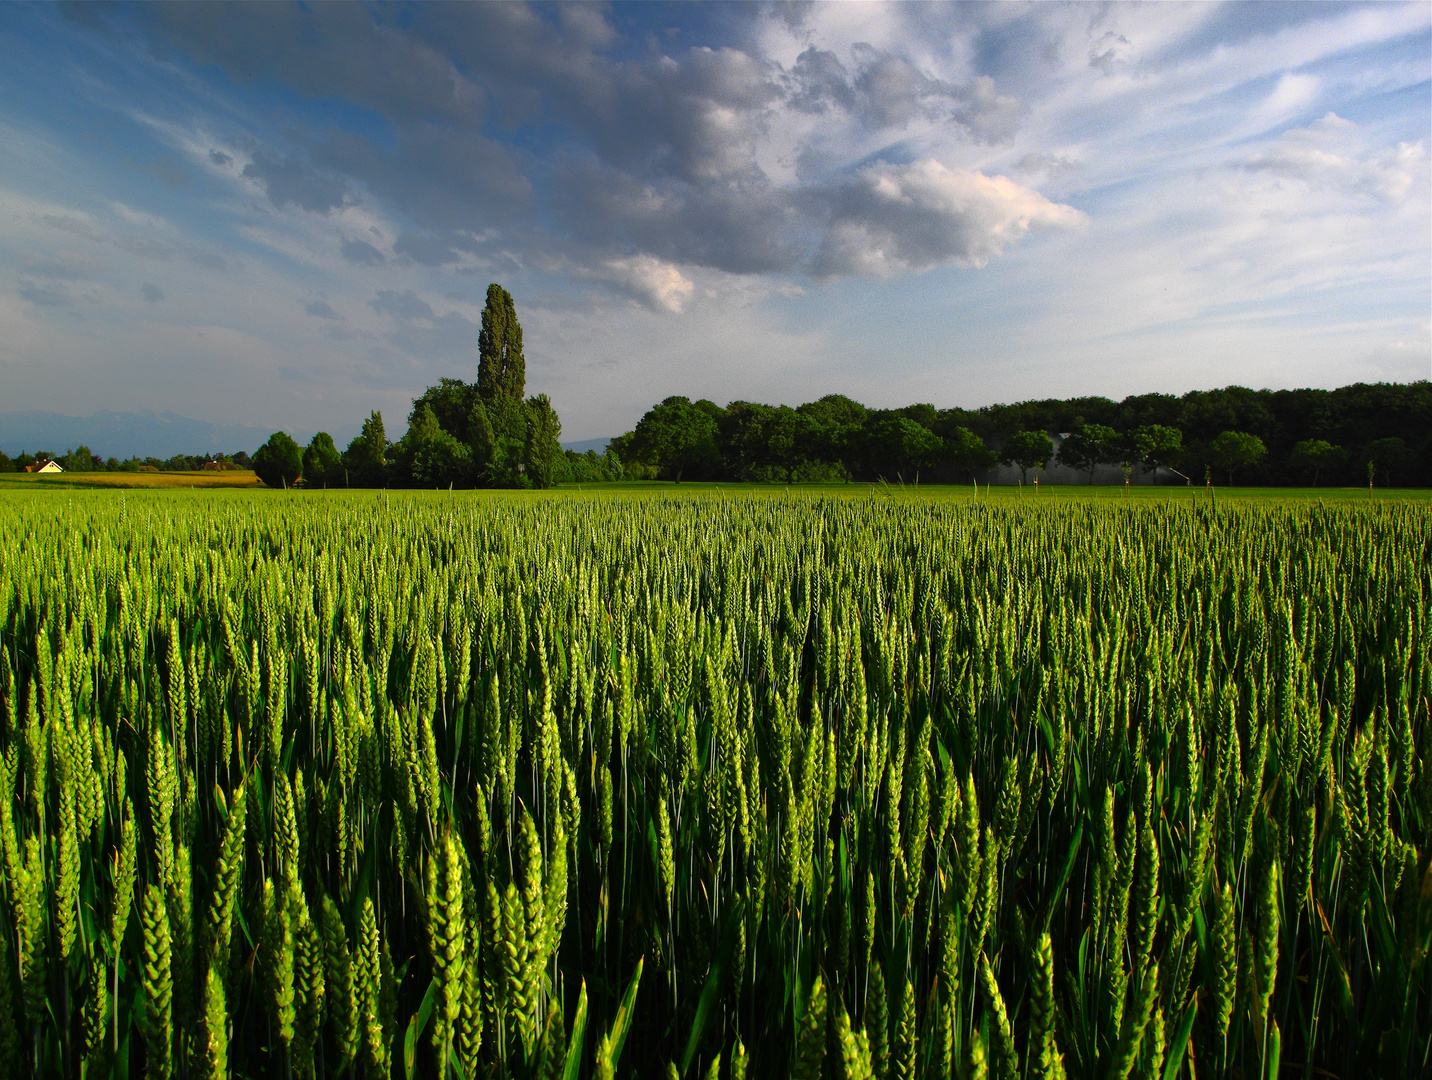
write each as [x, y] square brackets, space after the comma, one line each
[891, 219]
[658, 285]
[1293, 93]
[1331, 154]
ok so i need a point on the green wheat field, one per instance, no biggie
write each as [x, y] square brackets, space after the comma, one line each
[705, 784]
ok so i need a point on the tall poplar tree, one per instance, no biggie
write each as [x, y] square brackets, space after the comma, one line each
[501, 371]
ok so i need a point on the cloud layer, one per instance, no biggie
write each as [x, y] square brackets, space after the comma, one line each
[950, 202]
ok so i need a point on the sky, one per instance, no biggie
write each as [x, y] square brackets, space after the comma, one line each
[290, 215]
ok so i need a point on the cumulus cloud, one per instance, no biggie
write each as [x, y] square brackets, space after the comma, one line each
[889, 219]
[1331, 155]
[658, 285]
[151, 292]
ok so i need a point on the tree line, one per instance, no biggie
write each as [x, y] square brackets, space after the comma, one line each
[460, 434]
[489, 434]
[1262, 437]
[83, 459]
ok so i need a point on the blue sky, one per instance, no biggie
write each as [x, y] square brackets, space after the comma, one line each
[288, 216]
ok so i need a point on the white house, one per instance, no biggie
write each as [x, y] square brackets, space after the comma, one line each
[44, 466]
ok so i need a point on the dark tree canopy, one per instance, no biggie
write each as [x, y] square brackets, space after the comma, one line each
[322, 464]
[676, 435]
[1028, 450]
[1315, 455]
[365, 460]
[501, 370]
[1157, 446]
[544, 445]
[1322, 436]
[451, 401]
[279, 462]
[967, 452]
[1233, 449]
[1088, 448]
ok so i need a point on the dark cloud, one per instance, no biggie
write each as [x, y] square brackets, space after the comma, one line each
[152, 293]
[288, 180]
[403, 305]
[819, 81]
[343, 51]
[218, 157]
[449, 179]
[320, 309]
[361, 253]
[426, 249]
[742, 228]
[45, 293]
[555, 139]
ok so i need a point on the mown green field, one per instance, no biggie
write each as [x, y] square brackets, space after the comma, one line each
[850, 783]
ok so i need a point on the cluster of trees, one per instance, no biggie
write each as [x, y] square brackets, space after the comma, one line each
[1285, 437]
[82, 459]
[482, 434]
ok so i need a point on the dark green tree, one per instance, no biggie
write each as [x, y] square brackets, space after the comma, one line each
[967, 452]
[501, 370]
[787, 440]
[434, 457]
[451, 401]
[764, 443]
[279, 462]
[834, 427]
[677, 436]
[1388, 457]
[1314, 455]
[80, 459]
[1157, 446]
[897, 448]
[544, 442]
[322, 464]
[480, 438]
[1028, 450]
[1088, 447]
[1231, 450]
[508, 419]
[366, 459]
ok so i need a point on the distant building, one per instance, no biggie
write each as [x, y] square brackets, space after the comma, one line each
[44, 466]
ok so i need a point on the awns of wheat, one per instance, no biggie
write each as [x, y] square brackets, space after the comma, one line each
[713, 787]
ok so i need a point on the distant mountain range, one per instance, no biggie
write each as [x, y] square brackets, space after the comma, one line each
[138, 434]
[582, 446]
